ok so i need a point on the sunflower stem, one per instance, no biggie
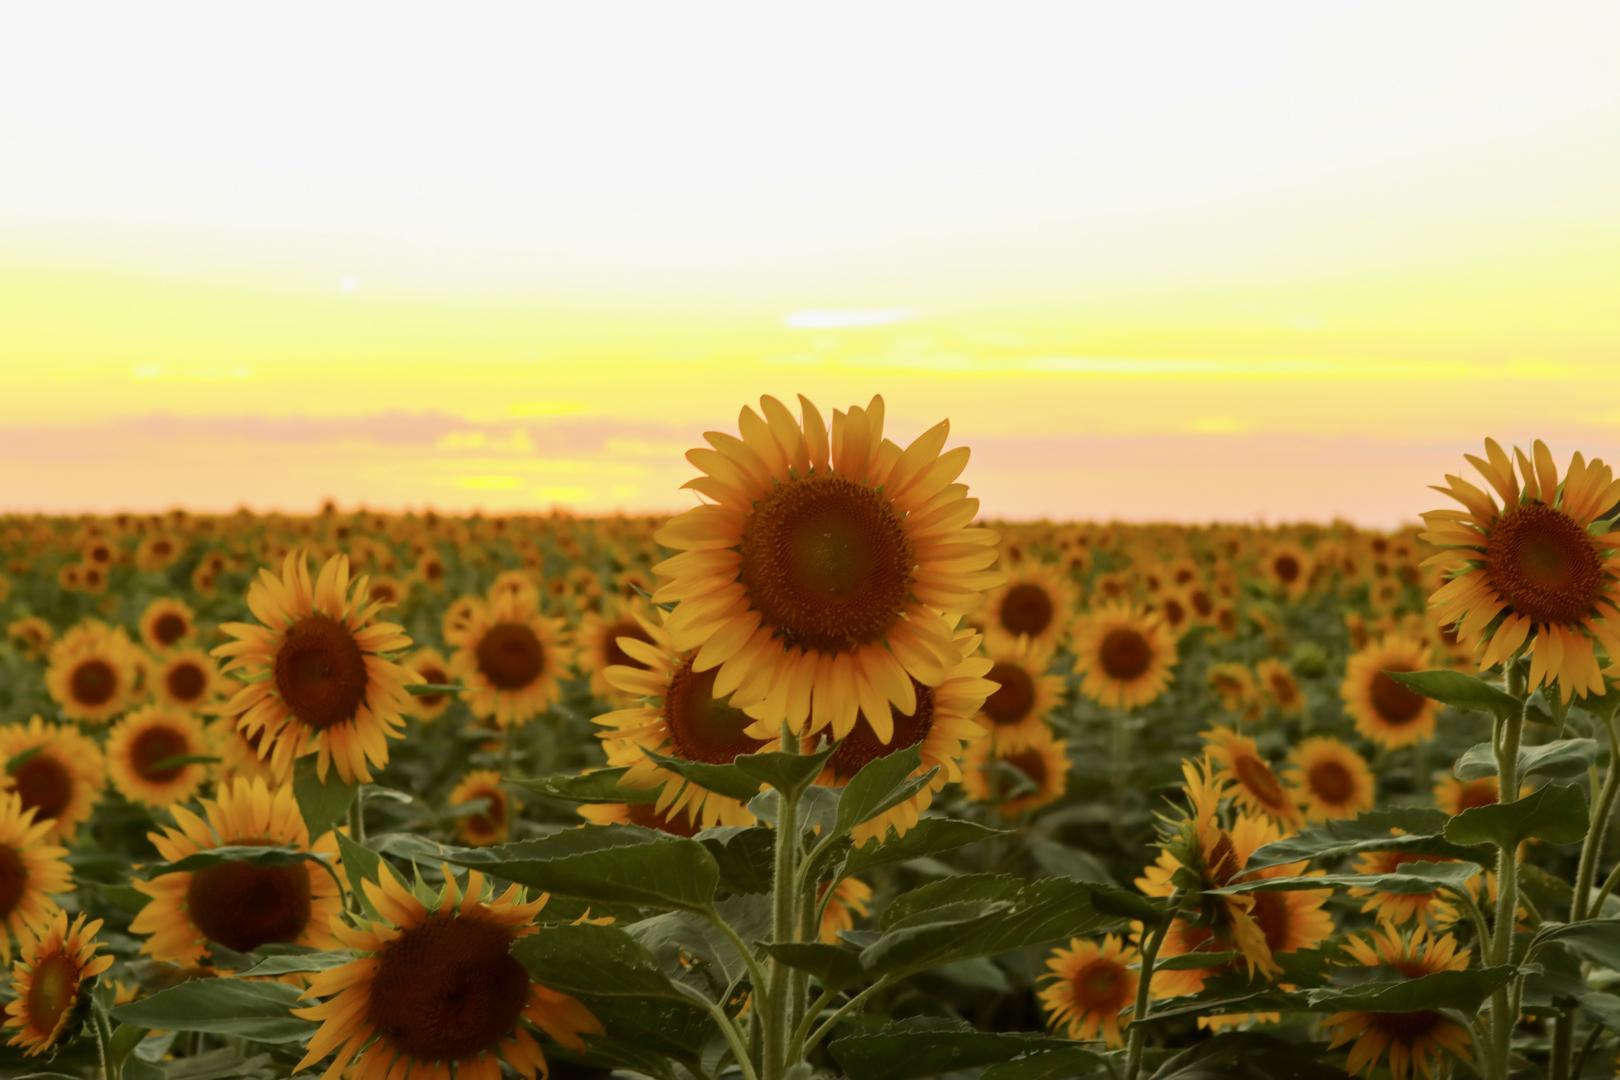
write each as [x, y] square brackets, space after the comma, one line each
[781, 1019]
[1136, 1043]
[1503, 1016]
[110, 1069]
[357, 815]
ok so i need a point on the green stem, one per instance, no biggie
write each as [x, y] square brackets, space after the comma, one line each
[755, 975]
[728, 1028]
[1503, 1016]
[781, 1018]
[814, 1038]
[1608, 886]
[110, 1069]
[1144, 985]
[357, 815]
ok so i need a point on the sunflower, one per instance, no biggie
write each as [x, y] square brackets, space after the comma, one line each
[1280, 686]
[1034, 604]
[430, 667]
[31, 635]
[187, 680]
[58, 773]
[1124, 654]
[491, 824]
[1089, 986]
[1016, 781]
[167, 623]
[1287, 568]
[1454, 796]
[941, 728]
[49, 980]
[92, 672]
[643, 814]
[320, 680]
[143, 751]
[1024, 694]
[851, 899]
[509, 657]
[1413, 1041]
[438, 990]
[1234, 684]
[157, 552]
[234, 904]
[238, 753]
[1254, 786]
[598, 637]
[387, 590]
[1538, 572]
[1386, 712]
[683, 716]
[817, 578]
[1398, 908]
[1329, 779]
[31, 869]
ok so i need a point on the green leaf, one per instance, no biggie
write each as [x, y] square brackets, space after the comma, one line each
[1555, 813]
[727, 780]
[1249, 1055]
[834, 967]
[249, 854]
[930, 836]
[259, 1011]
[791, 773]
[624, 864]
[1067, 1064]
[360, 863]
[1420, 830]
[598, 786]
[879, 785]
[296, 963]
[1464, 692]
[1195, 961]
[18, 760]
[603, 961]
[1412, 877]
[323, 803]
[1564, 760]
[744, 854]
[432, 689]
[1460, 990]
[180, 761]
[1597, 940]
[932, 1046]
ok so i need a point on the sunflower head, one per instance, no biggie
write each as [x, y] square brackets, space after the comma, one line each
[55, 770]
[93, 672]
[52, 979]
[1385, 711]
[1089, 984]
[1124, 655]
[493, 823]
[151, 755]
[1329, 779]
[1414, 1042]
[510, 658]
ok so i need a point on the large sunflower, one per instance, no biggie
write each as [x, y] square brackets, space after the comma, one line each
[318, 679]
[509, 657]
[1538, 572]
[31, 869]
[1035, 603]
[1413, 1041]
[1386, 712]
[143, 752]
[438, 989]
[1124, 655]
[93, 671]
[49, 978]
[59, 773]
[1330, 780]
[1089, 986]
[816, 580]
[235, 904]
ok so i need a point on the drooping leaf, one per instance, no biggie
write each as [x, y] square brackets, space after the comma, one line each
[1563, 760]
[624, 864]
[1460, 990]
[930, 836]
[360, 863]
[1555, 813]
[1596, 940]
[833, 967]
[323, 803]
[791, 773]
[432, 689]
[727, 780]
[598, 786]
[1412, 877]
[744, 854]
[932, 1046]
[296, 963]
[248, 854]
[603, 961]
[257, 1011]
[1409, 828]
[1460, 691]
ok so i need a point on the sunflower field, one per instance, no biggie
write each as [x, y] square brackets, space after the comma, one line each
[823, 777]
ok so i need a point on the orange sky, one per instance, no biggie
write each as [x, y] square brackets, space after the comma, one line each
[1286, 265]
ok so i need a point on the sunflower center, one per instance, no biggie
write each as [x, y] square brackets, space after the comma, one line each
[51, 994]
[436, 676]
[13, 880]
[1544, 564]
[320, 672]
[1221, 862]
[1477, 793]
[612, 653]
[1331, 781]
[1257, 777]
[510, 656]
[1287, 568]
[1013, 699]
[242, 906]
[1101, 986]
[861, 746]
[44, 785]
[491, 819]
[826, 563]
[648, 816]
[1271, 913]
[186, 682]
[1394, 702]
[1031, 763]
[169, 628]
[448, 989]
[700, 727]
[152, 751]
[94, 682]
[1407, 1027]
[1026, 609]
[1125, 653]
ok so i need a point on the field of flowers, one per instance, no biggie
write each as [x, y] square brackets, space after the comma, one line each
[823, 777]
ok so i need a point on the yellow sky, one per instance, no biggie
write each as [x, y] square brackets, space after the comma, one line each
[1280, 260]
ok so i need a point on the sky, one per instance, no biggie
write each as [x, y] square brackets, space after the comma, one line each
[1275, 261]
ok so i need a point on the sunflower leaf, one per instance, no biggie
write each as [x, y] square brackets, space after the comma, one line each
[623, 864]
[728, 780]
[1412, 877]
[597, 786]
[251, 854]
[930, 836]
[833, 967]
[933, 1046]
[1564, 759]
[1555, 813]
[1461, 990]
[360, 863]
[259, 1011]
[321, 802]
[1464, 692]
[880, 785]
[296, 963]
[1408, 828]
[430, 689]
[1596, 940]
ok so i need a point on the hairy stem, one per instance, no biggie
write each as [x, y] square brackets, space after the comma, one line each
[1504, 1017]
[1150, 953]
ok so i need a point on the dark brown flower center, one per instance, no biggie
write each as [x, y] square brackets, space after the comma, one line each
[1032, 763]
[1330, 781]
[1544, 564]
[648, 817]
[151, 753]
[510, 656]
[1395, 703]
[1256, 776]
[1272, 913]
[1026, 609]
[169, 628]
[13, 879]
[320, 672]
[1102, 986]
[447, 989]
[186, 681]
[44, 785]
[861, 746]
[52, 993]
[494, 817]
[612, 653]
[702, 728]
[826, 563]
[1477, 793]
[1287, 568]
[434, 675]
[1125, 653]
[1013, 698]
[243, 907]
[383, 592]
[93, 682]
[1408, 1028]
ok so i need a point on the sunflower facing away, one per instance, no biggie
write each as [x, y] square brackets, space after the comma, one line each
[1123, 654]
[49, 979]
[321, 682]
[1386, 712]
[437, 990]
[59, 773]
[509, 657]
[31, 869]
[235, 904]
[1089, 986]
[817, 578]
[143, 755]
[1329, 779]
[92, 672]
[1412, 1041]
[1536, 572]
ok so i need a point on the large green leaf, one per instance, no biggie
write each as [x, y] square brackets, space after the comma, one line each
[323, 803]
[1408, 828]
[1412, 877]
[598, 786]
[1068, 1064]
[728, 780]
[603, 961]
[832, 966]
[1465, 692]
[1460, 990]
[930, 836]
[257, 1011]
[880, 784]
[1597, 940]
[1555, 813]
[1564, 760]
[791, 773]
[744, 854]
[249, 854]
[1251, 1055]
[932, 1046]
[624, 864]
[360, 863]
